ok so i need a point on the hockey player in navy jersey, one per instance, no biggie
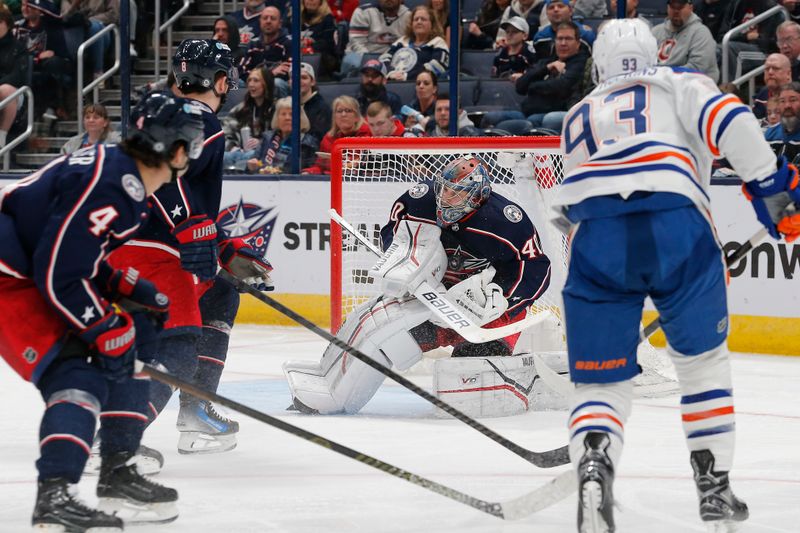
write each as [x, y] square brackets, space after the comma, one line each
[476, 246]
[180, 250]
[61, 329]
[637, 164]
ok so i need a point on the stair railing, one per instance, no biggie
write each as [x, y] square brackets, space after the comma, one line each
[94, 86]
[160, 28]
[5, 151]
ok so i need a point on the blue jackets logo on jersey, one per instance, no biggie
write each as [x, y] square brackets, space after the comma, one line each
[250, 222]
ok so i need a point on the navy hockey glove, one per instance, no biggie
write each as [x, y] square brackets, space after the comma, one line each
[134, 294]
[197, 243]
[773, 199]
[243, 262]
[113, 339]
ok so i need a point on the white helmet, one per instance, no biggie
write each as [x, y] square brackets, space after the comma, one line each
[623, 45]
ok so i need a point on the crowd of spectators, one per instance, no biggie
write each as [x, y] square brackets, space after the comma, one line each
[540, 48]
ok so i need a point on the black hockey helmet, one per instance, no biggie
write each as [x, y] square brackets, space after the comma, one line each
[198, 61]
[161, 119]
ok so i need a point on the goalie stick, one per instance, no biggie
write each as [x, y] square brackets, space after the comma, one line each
[551, 492]
[442, 307]
[547, 459]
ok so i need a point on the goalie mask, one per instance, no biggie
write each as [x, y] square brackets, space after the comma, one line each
[622, 46]
[462, 187]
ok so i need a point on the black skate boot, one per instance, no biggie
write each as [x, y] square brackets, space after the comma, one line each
[595, 478]
[58, 510]
[122, 490]
[203, 429]
[719, 507]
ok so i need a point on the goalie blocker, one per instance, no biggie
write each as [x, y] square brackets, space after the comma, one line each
[395, 329]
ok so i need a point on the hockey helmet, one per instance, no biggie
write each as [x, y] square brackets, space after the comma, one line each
[198, 61]
[462, 187]
[160, 120]
[623, 45]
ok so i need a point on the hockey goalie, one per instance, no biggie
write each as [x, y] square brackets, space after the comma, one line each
[478, 249]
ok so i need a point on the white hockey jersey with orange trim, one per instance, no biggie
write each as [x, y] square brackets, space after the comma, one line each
[657, 129]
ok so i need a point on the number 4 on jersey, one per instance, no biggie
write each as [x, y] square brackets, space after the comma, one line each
[101, 219]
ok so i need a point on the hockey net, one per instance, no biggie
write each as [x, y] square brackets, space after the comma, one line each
[369, 174]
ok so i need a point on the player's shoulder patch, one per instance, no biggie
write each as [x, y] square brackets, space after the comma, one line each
[133, 187]
[512, 213]
[418, 191]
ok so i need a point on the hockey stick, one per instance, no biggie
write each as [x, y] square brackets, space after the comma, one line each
[551, 492]
[547, 459]
[441, 306]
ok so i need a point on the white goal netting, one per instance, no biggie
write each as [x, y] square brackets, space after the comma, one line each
[369, 174]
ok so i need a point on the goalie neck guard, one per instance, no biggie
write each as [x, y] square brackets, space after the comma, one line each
[462, 187]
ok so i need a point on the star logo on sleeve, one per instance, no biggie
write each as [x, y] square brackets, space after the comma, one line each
[88, 314]
[177, 211]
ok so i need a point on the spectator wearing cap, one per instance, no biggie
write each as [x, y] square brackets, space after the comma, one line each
[373, 28]
[530, 10]
[271, 49]
[558, 11]
[777, 73]
[788, 40]
[315, 106]
[317, 35]
[13, 70]
[553, 84]
[517, 56]
[421, 48]
[382, 122]
[373, 87]
[43, 33]
[683, 40]
[226, 31]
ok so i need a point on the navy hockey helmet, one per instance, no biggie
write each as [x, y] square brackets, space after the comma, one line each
[161, 119]
[198, 61]
[462, 187]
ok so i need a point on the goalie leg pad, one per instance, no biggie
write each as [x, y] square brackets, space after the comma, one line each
[340, 382]
[707, 402]
[599, 408]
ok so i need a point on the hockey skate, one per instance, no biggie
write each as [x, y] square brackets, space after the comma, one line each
[58, 510]
[203, 429]
[595, 478]
[148, 460]
[122, 490]
[720, 509]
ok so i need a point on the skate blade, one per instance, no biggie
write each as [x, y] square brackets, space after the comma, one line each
[60, 528]
[722, 526]
[194, 442]
[134, 513]
[592, 501]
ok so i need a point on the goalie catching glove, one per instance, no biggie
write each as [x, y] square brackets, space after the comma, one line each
[243, 262]
[479, 298]
[774, 199]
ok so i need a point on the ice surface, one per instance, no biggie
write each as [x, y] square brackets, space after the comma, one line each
[275, 482]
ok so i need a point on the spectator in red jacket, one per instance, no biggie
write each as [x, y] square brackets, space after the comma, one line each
[343, 9]
[347, 122]
[381, 121]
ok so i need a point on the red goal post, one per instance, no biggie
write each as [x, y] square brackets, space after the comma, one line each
[369, 173]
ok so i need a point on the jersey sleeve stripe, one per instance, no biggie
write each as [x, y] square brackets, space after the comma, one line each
[616, 172]
[183, 198]
[499, 238]
[7, 270]
[101, 155]
[701, 120]
[527, 301]
[709, 126]
[213, 138]
[646, 159]
[723, 125]
[164, 213]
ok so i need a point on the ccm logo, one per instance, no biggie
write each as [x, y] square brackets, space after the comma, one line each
[604, 365]
[446, 309]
